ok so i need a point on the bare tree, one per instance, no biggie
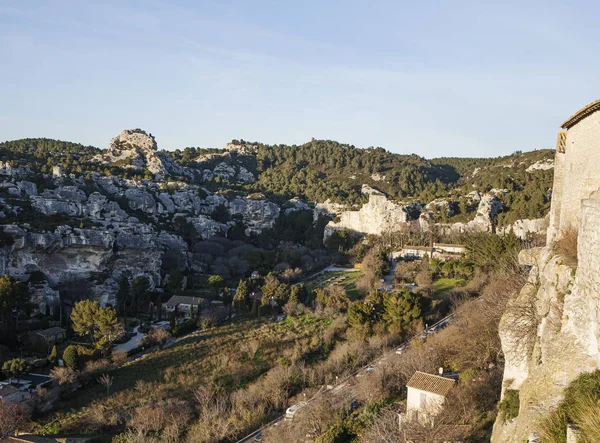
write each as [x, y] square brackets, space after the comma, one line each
[12, 419]
[106, 381]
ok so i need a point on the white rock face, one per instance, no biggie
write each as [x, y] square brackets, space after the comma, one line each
[543, 165]
[377, 216]
[367, 190]
[489, 206]
[328, 208]
[522, 228]
[380, 215]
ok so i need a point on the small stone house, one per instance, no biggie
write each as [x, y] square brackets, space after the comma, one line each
[426, 396]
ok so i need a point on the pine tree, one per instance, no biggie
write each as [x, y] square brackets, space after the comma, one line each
[53, 355]
[240, 300]
[123, 295]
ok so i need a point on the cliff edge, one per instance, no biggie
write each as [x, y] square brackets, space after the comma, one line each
[551, 331]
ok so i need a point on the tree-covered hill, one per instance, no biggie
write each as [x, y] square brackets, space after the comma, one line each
[321, 170]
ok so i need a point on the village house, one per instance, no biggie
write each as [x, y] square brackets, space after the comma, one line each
[426, 396]
[43, 340]
[413, 252]
[183, 304]
[450, 248]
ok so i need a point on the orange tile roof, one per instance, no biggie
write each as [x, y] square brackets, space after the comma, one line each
[430, 383]
[581, 114]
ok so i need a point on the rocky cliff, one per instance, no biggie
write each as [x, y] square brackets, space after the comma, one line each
[97, 227]
[551, 332]
[73, 213]
[380, 215]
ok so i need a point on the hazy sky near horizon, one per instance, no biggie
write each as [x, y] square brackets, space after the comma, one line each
[437, 78]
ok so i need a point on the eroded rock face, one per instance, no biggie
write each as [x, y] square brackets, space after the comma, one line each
[256, 214]
[563, 326]
[523, 228]
[375, 217]
[207, 227]
[381, 215]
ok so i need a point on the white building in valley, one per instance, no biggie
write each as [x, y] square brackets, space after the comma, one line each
[426, 396]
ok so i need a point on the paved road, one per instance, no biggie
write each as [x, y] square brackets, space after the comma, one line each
[388, 280]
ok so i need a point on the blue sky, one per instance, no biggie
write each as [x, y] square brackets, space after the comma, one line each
[437, 78]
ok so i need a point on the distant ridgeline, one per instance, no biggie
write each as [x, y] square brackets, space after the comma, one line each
[315, 172]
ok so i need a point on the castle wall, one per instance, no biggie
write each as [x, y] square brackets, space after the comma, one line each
[576, 174]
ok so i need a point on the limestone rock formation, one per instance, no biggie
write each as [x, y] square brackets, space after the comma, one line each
[378, 215]
[551, 332]
[134, 148]
[256, 214]
[381, 215]
[522, 228]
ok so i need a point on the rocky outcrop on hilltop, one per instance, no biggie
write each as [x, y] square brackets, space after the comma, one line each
[135, 149]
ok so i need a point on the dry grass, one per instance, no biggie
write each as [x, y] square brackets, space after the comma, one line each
[566, 246]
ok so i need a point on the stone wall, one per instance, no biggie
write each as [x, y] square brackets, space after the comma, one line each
[576, 174]
[551, 332]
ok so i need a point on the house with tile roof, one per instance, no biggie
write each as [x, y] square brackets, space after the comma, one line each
[426, 395]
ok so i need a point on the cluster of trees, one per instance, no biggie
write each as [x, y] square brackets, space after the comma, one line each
[458, 269]
[132, 297]
[100, 325]
[14, 299]
[380, 312]
[319, 170]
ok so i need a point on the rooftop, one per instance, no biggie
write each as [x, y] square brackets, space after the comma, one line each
[7, 390]
[430, 383]
[448, 245]
[51, 332]
[581, 114]
[418, 248]
[183, 299]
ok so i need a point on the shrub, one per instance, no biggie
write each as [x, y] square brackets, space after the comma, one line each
[63, 375]
[119, 358]
[96, 367]
[184, 328]
[16, 366]
[509, 406]
[71, 357]
[566, 246]
[158, 336]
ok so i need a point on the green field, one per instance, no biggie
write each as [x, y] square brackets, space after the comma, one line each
[346, 279]
[443, 287]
